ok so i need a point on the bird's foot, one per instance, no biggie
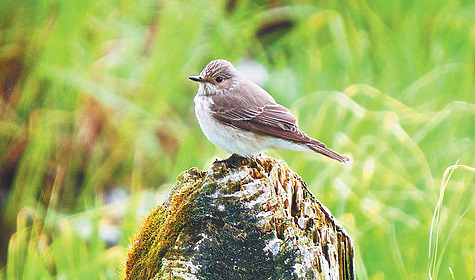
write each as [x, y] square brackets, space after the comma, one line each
[233, 161]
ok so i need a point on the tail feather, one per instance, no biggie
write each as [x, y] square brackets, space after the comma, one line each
[329, 153]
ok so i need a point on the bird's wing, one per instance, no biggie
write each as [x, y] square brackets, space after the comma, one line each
[267, 118]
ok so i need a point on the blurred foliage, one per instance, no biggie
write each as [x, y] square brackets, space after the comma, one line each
[94, 98]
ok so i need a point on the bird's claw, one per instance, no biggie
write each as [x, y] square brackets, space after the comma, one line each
[233, 161]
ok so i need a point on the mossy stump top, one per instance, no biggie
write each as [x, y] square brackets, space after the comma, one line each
[247, 218]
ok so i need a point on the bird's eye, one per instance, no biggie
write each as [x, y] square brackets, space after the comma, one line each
[219, 79]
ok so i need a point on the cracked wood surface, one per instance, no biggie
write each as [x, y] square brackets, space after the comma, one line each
[251, 219]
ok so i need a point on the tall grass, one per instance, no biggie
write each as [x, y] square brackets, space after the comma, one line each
[95, 102]
[435, 258]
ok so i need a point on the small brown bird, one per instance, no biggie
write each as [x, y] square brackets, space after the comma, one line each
[241, 118]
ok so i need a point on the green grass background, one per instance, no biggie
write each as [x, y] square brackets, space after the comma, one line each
[94, 98]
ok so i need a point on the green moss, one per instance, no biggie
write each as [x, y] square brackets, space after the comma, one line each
[162, 227]
[234, 242]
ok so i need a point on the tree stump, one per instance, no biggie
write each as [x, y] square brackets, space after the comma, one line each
[245, 218]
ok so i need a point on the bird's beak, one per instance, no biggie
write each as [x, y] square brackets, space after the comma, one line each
[195, 78]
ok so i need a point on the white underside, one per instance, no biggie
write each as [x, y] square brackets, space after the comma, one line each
[235, 140]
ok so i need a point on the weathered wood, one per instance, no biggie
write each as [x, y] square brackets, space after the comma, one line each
[254, 220]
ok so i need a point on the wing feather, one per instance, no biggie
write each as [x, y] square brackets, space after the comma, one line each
[269, 119]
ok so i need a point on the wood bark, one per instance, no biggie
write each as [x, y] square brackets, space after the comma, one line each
[244, 218]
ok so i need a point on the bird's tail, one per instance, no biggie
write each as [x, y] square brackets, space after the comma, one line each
[329, 153]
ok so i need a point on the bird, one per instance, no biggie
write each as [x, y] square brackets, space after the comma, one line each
[240, 117]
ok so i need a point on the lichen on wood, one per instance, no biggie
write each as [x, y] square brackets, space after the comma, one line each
[248, 218]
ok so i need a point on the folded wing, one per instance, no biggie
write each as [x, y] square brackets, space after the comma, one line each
[266, 118]
[270, 119]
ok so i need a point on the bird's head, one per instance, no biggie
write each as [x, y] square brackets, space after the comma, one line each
[218, 77]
